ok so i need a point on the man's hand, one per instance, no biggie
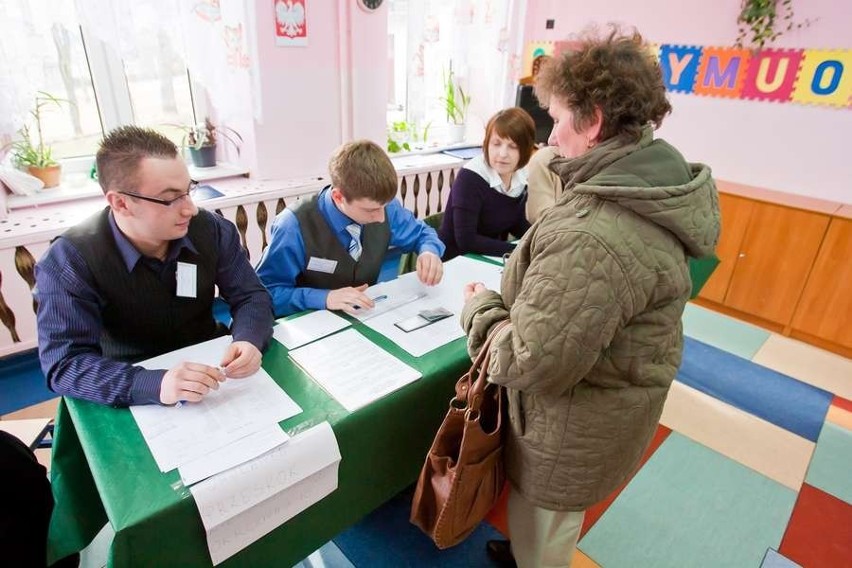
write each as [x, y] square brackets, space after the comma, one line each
[241, 360]
[430, 269]
[189, 382]
[472, 289]
[351, 300]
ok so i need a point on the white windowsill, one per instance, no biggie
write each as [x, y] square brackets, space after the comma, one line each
[78, 186]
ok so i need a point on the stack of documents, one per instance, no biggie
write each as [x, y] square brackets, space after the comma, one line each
[353, 369]
[406, 297]
[292, 333]
[241, 505]
[229, 426]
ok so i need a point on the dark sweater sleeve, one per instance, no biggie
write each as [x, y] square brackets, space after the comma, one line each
[468, 195]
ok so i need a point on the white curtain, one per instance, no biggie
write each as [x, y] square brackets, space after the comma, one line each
[472, 36]
[213, 37]
[25, 45]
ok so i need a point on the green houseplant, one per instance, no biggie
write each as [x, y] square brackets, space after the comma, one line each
[202, 140]
[762, 21]
[456, 103]
[30, 153]
[402, 134]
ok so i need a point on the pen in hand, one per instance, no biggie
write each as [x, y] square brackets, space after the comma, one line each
[219, 368]
[377, 299]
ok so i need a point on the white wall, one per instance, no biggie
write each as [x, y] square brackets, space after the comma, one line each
[788, 147]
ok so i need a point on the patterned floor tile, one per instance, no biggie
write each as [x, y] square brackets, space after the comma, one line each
[831, 466]
[764, 447]
[820, 531]
[807, 363]
[690, 506]
[775, 560]
[726, 333]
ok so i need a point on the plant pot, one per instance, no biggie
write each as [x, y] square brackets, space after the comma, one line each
[49, 175]
[456, 133]
[204, 157]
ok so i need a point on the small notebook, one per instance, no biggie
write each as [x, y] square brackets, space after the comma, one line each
[204, 192]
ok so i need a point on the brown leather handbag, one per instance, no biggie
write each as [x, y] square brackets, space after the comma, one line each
[463, 474]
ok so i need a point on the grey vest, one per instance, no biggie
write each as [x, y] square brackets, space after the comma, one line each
[141, 315]
[321, 242]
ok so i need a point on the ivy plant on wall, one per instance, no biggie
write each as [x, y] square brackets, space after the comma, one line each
[762, 21]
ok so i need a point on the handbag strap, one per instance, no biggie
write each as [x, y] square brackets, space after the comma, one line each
[479, 369]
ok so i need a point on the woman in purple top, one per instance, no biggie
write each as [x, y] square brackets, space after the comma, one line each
[488, 197]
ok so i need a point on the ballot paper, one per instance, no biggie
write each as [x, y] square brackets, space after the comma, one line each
[353, 369]
[232, 455]
[296, 332]
[177, 435]
[239, 506]
[407, 297]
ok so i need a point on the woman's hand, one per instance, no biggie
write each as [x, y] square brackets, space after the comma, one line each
[472, 289]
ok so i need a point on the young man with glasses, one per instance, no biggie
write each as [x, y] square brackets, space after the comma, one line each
[137, 280]
[326, 250]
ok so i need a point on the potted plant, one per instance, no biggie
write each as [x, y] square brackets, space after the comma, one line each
[456, 103]
[402, 135]
[201, 139]
[762, 21]
[30, 153]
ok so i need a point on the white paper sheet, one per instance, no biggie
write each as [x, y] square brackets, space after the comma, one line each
[353, 369]
[448, 294]
[232, 455]
[309, 327]
[178, 435]
[239, 506]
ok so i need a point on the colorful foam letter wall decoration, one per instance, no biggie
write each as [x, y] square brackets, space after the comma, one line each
[805, 76]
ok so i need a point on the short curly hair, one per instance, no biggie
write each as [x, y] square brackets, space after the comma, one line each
[617, 74]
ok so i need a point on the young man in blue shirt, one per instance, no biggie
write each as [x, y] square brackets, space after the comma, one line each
[327, 249]
[137, 280]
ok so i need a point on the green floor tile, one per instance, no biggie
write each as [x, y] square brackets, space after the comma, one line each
[724, 332]
[831, 464]
[690, 506]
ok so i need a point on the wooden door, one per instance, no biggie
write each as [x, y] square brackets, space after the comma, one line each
[736, 212]
[774, 261]
[825, 310]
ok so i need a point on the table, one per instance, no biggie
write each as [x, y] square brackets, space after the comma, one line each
[102, 469]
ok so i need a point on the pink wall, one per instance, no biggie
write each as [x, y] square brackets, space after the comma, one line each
[314, 97]
[788, 147]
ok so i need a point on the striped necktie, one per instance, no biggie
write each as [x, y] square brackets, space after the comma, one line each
[354, 229]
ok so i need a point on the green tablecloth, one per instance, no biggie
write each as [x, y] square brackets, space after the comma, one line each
[102, 469]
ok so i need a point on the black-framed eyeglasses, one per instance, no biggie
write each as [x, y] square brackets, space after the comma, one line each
[165, 202]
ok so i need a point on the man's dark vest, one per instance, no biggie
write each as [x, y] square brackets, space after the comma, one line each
[321, 242]
[141, 315]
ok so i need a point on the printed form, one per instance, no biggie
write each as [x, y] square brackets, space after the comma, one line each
[353, 369]
[241, 505]
[406, 297]
[296, 332]
[240, 407]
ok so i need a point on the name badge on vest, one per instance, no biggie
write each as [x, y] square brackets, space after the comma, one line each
[187, 280]
[322, 265]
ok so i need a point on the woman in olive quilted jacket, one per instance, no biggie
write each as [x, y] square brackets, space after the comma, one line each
[594, 292]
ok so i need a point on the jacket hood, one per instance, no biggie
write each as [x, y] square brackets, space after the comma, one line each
[651, 183]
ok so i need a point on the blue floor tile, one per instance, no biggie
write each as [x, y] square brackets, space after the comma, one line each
[22, 383]
[777, 398]
[386, 539]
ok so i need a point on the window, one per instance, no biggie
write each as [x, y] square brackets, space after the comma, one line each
[99, 87]
[427, 39]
